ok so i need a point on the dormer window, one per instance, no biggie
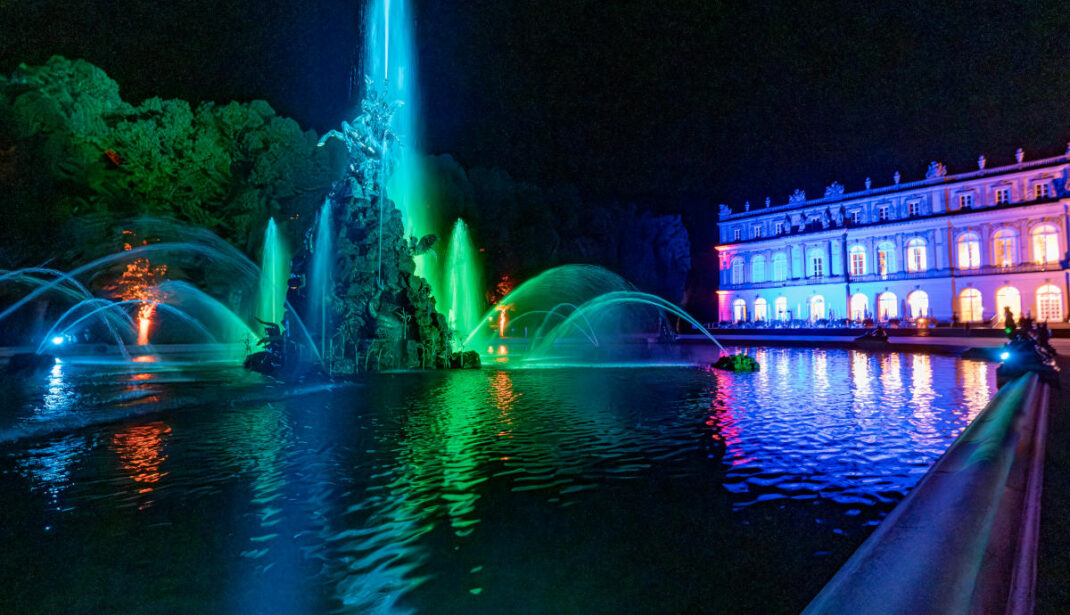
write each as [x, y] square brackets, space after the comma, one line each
[1003, 195]
[914, 208]
[1040, 191]
[738, 234]
[779, 226]
[882, 213]
[757, 232]
[965, 201]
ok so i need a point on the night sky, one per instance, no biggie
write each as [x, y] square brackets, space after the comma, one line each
[670, 104]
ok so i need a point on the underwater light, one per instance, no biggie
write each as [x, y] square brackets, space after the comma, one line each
[1004, 355]
[58, 340]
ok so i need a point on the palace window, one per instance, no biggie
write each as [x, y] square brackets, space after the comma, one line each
[1049, 303]
[817, 264]
[738, 234]
[780, 305]
[757, 232]
[969, 251]
[1003, 195]
[1005, 248]
[856, 217]
[971, 308]
[887, 306]
[737, 271]
[882, 213]
[1045, 244]
[914, 208]
[780, 267]
[919, 304]
[761, 309]
[965, 201]
[779, 226]
[817, 307]
[1040, 191]
[739, 310]
[916, 260]
[859, 306]
[1008, 297]
[885, 258]
[757, 269]
[858, 260]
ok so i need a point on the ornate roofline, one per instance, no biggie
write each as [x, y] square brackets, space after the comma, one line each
[794, 202]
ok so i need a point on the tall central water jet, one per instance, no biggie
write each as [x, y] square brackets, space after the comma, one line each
[275, 271]
[463, 300]
[319, 282]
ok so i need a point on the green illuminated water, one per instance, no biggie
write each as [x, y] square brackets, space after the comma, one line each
[463, 298]
[275, 271]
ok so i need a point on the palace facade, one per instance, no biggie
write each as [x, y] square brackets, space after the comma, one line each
[947, 247]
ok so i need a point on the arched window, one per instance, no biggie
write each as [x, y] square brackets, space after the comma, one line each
[969, 251]
[780, 306]
[859, 306]
[737, 271]
[885, 257]
[1045, 244]
[761, 309]
[1005, 248]
[970, 305]
[887, 306]
[816, 263]
[1049, 303]
[1008, 297]
[780, 267]
[916, 260]
[739, 310]
[919, 304]
[757, 269]
[817, 307]
[858, 260]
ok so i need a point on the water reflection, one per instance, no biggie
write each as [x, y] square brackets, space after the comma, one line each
[141, 453]
[472, 491]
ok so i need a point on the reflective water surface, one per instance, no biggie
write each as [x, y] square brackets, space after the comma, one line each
[573, 490]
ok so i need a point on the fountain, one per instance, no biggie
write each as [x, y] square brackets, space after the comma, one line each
[563, 313]
[275, 268]
[463, 300]
[181, 312]
[319, 279]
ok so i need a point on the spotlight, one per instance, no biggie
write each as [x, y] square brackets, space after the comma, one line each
[1004, 355]
[58, 340]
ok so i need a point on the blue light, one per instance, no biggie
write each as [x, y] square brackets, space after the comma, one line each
[1004, 355]
[58, 340]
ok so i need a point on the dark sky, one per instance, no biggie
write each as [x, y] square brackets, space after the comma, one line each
[670, 103]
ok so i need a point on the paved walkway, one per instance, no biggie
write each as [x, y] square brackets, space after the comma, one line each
[900, 342]
[1053, 555]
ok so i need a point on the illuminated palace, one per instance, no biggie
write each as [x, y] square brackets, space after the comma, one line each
[947, 247]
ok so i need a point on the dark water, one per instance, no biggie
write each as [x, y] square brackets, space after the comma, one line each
[653, 490]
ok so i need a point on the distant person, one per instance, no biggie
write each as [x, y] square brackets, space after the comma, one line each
[1008, 320]
[1044, 338]
[954, 319]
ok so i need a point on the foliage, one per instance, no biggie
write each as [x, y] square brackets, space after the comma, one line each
[76, 151]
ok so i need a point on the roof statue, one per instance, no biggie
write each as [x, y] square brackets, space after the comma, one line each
[1019, 155]
[767, 201]
[981, 163]
[936, 169]
[746, 206]
[835, 189]
[869, 183]
[896, 177]
[723, 210]
[799, 196]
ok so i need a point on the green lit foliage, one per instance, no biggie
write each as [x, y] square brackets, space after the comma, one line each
[81, 152]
